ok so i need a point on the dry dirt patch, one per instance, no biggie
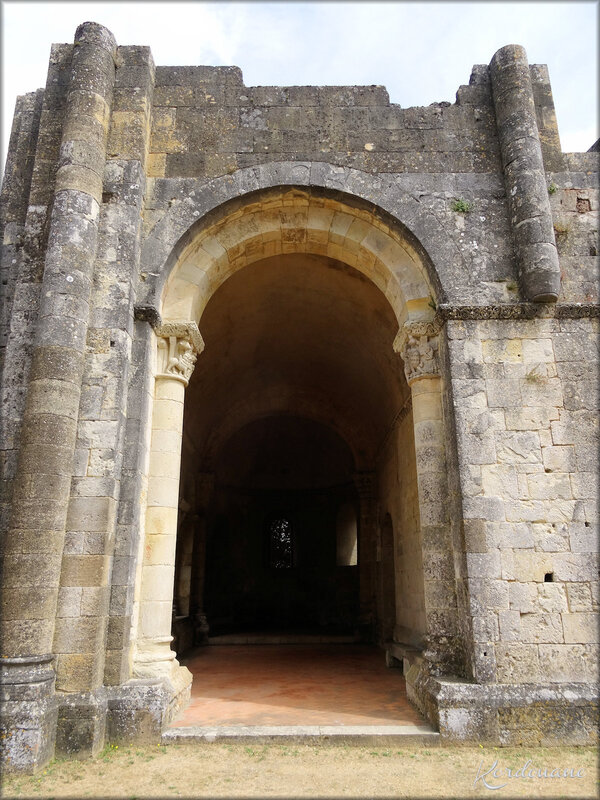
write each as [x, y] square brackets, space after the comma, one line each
[310, 770]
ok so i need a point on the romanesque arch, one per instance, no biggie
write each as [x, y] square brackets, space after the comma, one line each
[193, 207]
[315, 231]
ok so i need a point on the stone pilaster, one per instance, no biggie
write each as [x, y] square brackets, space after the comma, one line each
[204, 490]
[367, 550]
[524, 176]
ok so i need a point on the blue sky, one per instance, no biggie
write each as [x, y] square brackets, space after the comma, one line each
[421, 52]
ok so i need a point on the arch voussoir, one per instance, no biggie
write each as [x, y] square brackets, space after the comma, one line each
[321, 193]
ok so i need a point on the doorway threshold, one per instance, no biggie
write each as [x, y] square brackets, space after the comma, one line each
[306, 734]
[283, 638]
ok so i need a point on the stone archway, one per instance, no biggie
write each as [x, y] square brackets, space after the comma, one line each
[278, 235]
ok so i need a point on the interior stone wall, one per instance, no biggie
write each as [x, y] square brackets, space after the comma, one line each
[399, 498]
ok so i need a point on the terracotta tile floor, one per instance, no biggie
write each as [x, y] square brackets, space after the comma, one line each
[310, 684]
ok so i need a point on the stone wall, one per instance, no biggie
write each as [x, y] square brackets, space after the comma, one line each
[527, 437]
[460, 214]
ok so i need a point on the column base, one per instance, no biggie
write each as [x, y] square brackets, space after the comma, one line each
[139, 710]
[28, 713]
[81, 724]
[543, 715]
[201, 628]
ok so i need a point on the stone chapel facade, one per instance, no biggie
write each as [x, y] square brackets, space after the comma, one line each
[306, 311]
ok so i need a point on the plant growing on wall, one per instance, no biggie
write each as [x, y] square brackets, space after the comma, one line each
[462, 206]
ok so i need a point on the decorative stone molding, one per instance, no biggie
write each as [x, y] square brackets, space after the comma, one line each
[417, 344]
[179, 344]
[519, 311]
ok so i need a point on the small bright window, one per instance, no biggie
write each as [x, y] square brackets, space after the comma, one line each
[347, 536]
[281, 544]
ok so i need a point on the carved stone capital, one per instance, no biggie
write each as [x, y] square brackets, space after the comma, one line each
[418, 343]
[365, 484]
[179, 344]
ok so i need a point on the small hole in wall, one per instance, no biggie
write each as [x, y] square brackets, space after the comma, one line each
[112, 342]
[549, 577]
[485, 652]
[583, 205]
[587, 524]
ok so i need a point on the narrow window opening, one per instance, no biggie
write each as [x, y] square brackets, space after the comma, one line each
[281, 544]
[346, 536]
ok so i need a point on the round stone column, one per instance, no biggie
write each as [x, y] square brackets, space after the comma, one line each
[32, 547]
[418, 344]
[524, 175]
[177, 347]
[34, 541]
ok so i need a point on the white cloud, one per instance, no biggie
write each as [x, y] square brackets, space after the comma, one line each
[421, 52]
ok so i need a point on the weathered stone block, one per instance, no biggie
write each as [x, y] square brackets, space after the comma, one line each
[83, 570]
[91, 513]
[484, 565]
[517, 662]
[575, 566]
[526, 566]
[559, 458]
[78, 635]
[541, 628]
[529, 419]
[551, 537]
[518, 448]
[499, 480]
[551, 597]
[562, 663]
[581, 627]
[555, 486]
[522, 596]
[510, 626]
[579, 596]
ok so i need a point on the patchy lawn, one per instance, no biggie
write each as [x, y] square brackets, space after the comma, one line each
[310, 770]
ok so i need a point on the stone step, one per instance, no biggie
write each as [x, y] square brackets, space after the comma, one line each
[305, 734]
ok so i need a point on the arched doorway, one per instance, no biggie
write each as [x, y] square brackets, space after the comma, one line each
[299, 403]
[290, 400]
